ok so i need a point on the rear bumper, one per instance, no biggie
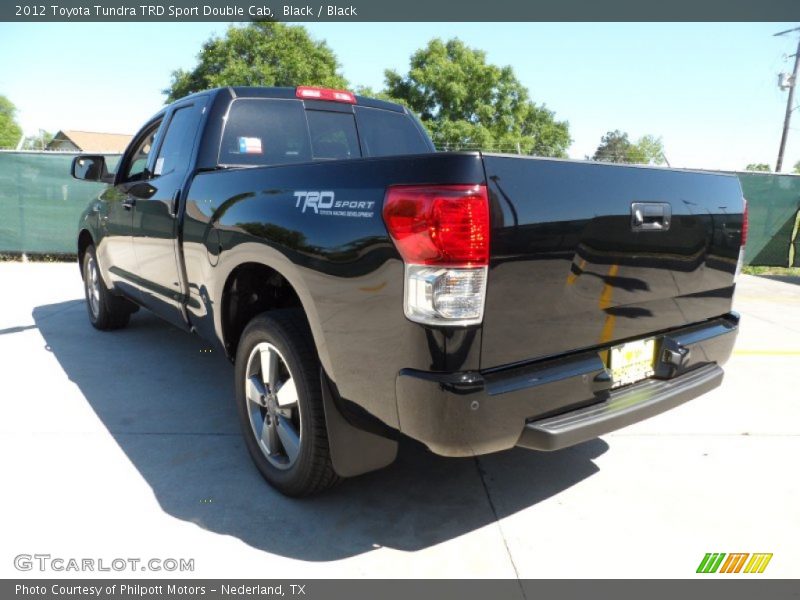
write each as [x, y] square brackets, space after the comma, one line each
[559, 402]
[622, 408]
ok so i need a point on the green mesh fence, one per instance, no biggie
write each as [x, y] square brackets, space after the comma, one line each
[773, 202]
[40, 203]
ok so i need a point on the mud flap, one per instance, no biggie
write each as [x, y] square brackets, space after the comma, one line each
[353, 451]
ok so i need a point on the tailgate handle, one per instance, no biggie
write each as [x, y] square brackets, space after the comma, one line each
[650, 216]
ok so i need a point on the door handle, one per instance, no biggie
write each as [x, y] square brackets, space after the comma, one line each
[129, 202]
[650, 216]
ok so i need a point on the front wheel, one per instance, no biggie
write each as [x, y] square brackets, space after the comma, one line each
[279, 401]
[106, 311]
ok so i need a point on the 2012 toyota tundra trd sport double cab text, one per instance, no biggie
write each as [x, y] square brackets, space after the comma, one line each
[366, 286]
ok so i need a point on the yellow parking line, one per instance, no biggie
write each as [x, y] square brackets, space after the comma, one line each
[605, 302]
[608, 329]
[573, 277]
[608, 290]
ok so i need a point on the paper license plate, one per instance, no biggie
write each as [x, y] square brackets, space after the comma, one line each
[632, 362]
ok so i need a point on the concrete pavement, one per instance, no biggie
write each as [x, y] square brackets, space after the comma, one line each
[126, 444]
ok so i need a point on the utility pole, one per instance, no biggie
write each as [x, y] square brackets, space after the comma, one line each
[789, 108]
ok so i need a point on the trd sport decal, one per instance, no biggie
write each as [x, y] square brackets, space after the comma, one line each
[325, 203]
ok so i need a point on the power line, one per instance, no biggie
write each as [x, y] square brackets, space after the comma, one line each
[786, 31]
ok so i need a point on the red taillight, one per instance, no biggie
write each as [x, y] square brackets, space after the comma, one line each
[315, 93]
[439, 225]
[745, 220]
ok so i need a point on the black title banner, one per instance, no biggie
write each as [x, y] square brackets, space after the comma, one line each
[400, 10]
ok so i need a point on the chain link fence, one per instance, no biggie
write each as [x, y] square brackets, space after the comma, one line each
[40, 205]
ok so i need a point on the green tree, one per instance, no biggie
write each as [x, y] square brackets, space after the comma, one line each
[10, 131]
[617, 148]
[465, 102]
[762, 167]
[614, 147]
[38, 141]
[796, 168]
[648, 150]
[259, 54]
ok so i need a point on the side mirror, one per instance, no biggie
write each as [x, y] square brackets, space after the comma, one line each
[90, 167]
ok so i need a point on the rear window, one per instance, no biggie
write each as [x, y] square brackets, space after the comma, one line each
[388, 133]
[262, 131]
[266, 131]
[333, 135]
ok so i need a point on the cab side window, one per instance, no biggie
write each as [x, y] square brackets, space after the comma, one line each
[264, 131]
[136, 162]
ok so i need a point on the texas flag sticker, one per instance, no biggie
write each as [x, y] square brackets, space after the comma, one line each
[250, 145]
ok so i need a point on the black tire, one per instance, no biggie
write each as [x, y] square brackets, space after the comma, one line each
[106, 311]
[300, 472]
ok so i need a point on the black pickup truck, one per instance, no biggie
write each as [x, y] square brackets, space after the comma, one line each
[366, 286]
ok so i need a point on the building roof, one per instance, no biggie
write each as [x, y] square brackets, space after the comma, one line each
[92, 141]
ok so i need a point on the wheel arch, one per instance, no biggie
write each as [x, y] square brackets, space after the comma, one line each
[251, 288]
[85, 240]
[275, 286]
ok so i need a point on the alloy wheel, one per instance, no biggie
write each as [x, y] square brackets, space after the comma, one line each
[91, 279]
[272, 406]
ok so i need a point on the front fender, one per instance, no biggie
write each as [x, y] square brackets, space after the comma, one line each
[89, 225]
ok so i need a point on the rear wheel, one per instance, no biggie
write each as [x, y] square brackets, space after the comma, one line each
[279, 401]
[106, 311]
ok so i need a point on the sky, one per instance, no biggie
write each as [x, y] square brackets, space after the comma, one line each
[708, 90]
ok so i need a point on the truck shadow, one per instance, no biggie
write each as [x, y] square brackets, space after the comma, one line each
[166, 400]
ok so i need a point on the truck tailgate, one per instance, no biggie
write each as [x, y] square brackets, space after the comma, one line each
[573, 266]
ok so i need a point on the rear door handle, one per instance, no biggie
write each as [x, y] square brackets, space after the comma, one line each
[650, 216]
